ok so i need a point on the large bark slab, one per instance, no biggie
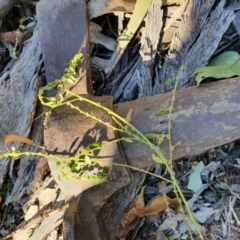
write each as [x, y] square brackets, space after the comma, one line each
[62, 35]
[68, 132]
[18, 96]
[204, 117]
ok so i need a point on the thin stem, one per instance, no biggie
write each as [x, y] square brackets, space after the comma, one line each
[170, 115]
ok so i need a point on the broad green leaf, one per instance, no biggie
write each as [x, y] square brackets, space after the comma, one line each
[225, 65]
[156, 158]
[161, 112]
[195, 181]
[87, 160]
[139, 12]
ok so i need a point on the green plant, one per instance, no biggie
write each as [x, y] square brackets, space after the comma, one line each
[6, 187]
[74, 167]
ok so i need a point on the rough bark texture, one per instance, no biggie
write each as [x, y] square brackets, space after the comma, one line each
[99, 7]
[31, 169]
[18, 96]
[194, 42]
[138, 79]
[62, 37]
[63, 135]
[5, 7]
[204, 117]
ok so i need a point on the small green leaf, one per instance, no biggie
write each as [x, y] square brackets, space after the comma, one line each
[58, 164]
[88, 160]
[59, 178]
[51, 99]
[156, 158]
[161, 112]
[170, 81]
[96, 144]
[129, 140]
[74, 167]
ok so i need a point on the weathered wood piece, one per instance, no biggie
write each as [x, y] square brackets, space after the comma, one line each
[194, 42]
[97, 8]
[139, 79]
[32, 169]
[204, 117]
[5, 7]
[18, 96]
[99, 217]
[38, 227]
[236, 22]
[148, 51]
[62, 35]
[68, 132]
[98, 38]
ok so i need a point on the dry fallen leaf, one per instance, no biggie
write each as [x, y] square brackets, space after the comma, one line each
[124, 232]
[157, 205]
[138, 202]
[19, 138]
[130, 220]
[138, 209]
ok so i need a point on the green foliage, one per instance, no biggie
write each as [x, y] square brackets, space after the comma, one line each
[158, 138]
[156, 159]
[72, 70]
[225, 65]
[170, 81]
[6, 187]
[161, 112]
